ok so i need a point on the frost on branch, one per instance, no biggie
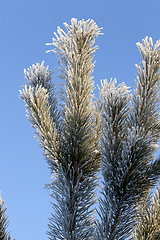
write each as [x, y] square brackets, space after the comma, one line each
[130, 137]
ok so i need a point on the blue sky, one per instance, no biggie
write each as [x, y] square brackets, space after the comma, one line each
[25, 28]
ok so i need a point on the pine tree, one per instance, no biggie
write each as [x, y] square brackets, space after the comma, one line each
[123, 132]
[4, 234]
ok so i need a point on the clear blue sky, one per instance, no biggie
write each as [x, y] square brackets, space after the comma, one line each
[25, 28]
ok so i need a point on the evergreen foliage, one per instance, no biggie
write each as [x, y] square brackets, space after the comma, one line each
[129, 141]
[149, 219]
[71, 146]
[4, 234]
[123, 132]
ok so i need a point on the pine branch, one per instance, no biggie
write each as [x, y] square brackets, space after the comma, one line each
[70, 141]
[80, 151]
[128, 146]
[145, 106]
[115, 161]
[4, 223]
[41, 104]
[38, 75]
[149, 219]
